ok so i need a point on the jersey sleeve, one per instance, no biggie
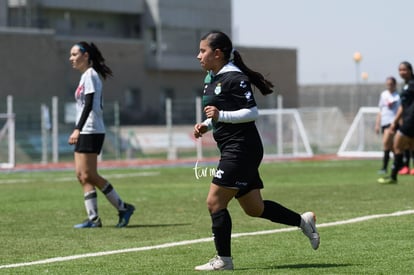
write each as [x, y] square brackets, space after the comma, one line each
[85, 112]
[89, 84]
[380, 102]
[242, 93]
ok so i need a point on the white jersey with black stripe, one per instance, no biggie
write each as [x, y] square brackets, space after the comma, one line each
[388, 104]
[90, 83]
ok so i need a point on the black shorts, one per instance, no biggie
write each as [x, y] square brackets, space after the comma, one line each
[388, 126]
[239, 172]
[407, 131]
[385, 127]
[90, 143]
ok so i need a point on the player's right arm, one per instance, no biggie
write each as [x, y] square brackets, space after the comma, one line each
[202, 128]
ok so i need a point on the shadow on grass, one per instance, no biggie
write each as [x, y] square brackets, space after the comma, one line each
[156, 225]
[299, 266]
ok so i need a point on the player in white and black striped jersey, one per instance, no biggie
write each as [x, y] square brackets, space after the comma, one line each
[89, 133]
[388, 104]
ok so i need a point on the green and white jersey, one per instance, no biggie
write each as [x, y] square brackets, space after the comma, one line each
[230, 90]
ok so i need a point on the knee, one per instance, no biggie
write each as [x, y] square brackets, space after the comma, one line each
[397, 150]
[211, 205]
[214, 205]
[84, 177]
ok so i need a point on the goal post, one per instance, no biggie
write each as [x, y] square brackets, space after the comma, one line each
[7, 136]
[361, 139]
[283, 133]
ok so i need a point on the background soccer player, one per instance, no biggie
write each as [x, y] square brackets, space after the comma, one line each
[388, 104]
[404, 136]
[89, 133]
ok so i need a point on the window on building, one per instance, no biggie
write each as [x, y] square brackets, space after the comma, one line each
[95, 25]
[152, 33]
[167, 93]
[132, 98]
[132, 26]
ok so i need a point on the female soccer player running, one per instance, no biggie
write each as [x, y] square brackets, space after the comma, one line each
[404, 133]
[231, 111]
[89, 133]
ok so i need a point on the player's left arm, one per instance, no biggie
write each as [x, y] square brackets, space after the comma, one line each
[87, 108]
[239, 116]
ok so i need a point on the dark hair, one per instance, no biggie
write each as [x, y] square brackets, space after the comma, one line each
[409, 67]
[219, 40]
[393, 80]
[96, 58]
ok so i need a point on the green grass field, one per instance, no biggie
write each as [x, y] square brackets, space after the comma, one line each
[38, 210]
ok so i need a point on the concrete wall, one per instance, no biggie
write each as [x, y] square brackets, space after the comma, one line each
[31, 66]
[277, 65]
[35, 67]
[348, 98]
[3, 13]
[124, 6]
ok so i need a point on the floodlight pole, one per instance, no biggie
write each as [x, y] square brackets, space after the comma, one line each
[357, 59]
[11, 127]
[55, 130]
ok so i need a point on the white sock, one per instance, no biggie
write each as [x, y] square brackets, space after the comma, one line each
[113, 197]
[91, 204]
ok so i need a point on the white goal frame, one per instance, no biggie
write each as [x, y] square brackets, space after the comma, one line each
[299, 133]
[361, 132]
[9, 128]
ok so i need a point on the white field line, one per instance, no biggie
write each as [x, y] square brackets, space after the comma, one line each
[64, 179]
[203, 240]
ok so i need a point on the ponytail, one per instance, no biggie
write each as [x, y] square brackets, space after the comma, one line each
[258, 80]
[96, 58]
[219, 40]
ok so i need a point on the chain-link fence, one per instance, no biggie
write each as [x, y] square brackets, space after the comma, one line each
[42, 133]
[326, 112]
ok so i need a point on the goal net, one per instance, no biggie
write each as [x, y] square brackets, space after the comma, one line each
[361, 139]
[7, 138]
[283, 134]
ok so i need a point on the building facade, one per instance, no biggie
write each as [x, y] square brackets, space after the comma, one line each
[151, 46]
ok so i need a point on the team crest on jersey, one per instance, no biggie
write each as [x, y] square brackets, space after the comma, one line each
[79, 91]
[242, 84]
[217, 90]
[405, 87]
